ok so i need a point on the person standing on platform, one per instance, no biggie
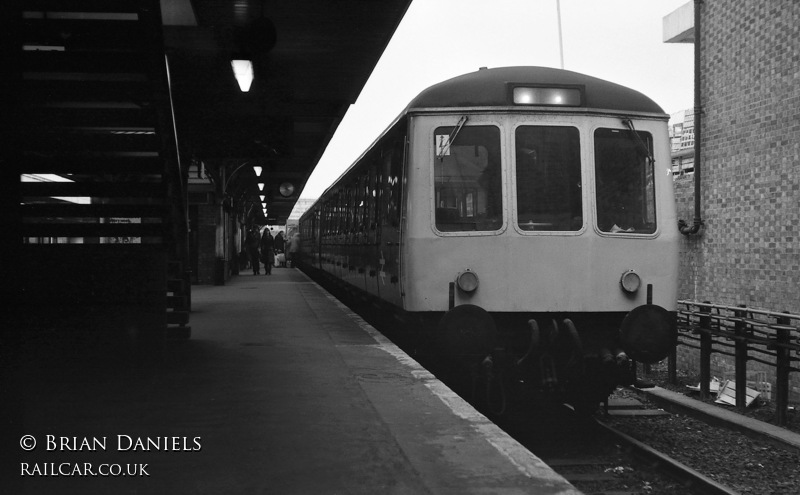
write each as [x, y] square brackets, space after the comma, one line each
[294, 250]
[251, 243]
[267, 251]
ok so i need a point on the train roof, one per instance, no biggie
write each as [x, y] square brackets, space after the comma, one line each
[493, 88]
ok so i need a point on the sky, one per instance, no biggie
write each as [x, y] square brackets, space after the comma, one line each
[617, 40]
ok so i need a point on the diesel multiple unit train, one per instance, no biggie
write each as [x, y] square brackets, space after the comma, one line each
[524, 217]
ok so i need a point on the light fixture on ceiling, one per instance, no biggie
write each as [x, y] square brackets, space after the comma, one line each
[243, 70]
[260, 186]
[263, 197]
[257, 170]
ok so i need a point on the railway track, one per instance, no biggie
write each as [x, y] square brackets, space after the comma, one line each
[686, 476]
[599, 459]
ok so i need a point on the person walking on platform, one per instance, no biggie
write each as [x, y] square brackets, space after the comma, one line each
[267, 251]
[280, 248]
[251, 242]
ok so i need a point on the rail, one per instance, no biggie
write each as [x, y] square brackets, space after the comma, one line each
[692, 479]
[746, 334]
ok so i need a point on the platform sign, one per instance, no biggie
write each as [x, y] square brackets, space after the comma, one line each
[121, 239]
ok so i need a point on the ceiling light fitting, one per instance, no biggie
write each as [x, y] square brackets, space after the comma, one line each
[243, 70]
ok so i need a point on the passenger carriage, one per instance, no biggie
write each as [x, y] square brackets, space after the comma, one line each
[526, 217]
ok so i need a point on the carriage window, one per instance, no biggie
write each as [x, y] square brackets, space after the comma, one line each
[392, 184]
[467, 177]
[625, 182]
[548, 178]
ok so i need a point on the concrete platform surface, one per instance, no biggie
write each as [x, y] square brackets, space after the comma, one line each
[280, 390]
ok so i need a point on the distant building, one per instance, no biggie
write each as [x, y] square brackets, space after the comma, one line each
[681, 134]
[300, 207]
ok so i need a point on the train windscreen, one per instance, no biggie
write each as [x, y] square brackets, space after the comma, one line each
[548, 173]
[468, 179]
[625, 181]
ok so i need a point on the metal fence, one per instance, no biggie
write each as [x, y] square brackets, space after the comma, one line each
[746, 334]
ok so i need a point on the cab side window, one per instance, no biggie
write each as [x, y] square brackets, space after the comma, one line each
[468, 179]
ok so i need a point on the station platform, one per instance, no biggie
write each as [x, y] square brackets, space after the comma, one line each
[280, 390]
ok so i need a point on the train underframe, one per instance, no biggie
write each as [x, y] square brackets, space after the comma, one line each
[574, 358]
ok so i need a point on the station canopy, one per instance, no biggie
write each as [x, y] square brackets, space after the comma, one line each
[310, 60]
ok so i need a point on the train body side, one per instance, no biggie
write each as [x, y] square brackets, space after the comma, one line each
[353, 233]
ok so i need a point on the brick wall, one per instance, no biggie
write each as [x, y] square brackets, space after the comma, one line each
[749, 250]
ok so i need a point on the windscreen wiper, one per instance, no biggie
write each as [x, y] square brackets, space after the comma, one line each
[629, 124]
[443, 151]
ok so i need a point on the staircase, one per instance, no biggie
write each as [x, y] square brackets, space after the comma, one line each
[178, 302]
[100, 201]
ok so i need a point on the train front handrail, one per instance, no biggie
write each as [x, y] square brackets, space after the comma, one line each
[746, 334]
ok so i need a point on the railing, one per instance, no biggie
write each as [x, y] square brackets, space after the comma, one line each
[746, 334]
